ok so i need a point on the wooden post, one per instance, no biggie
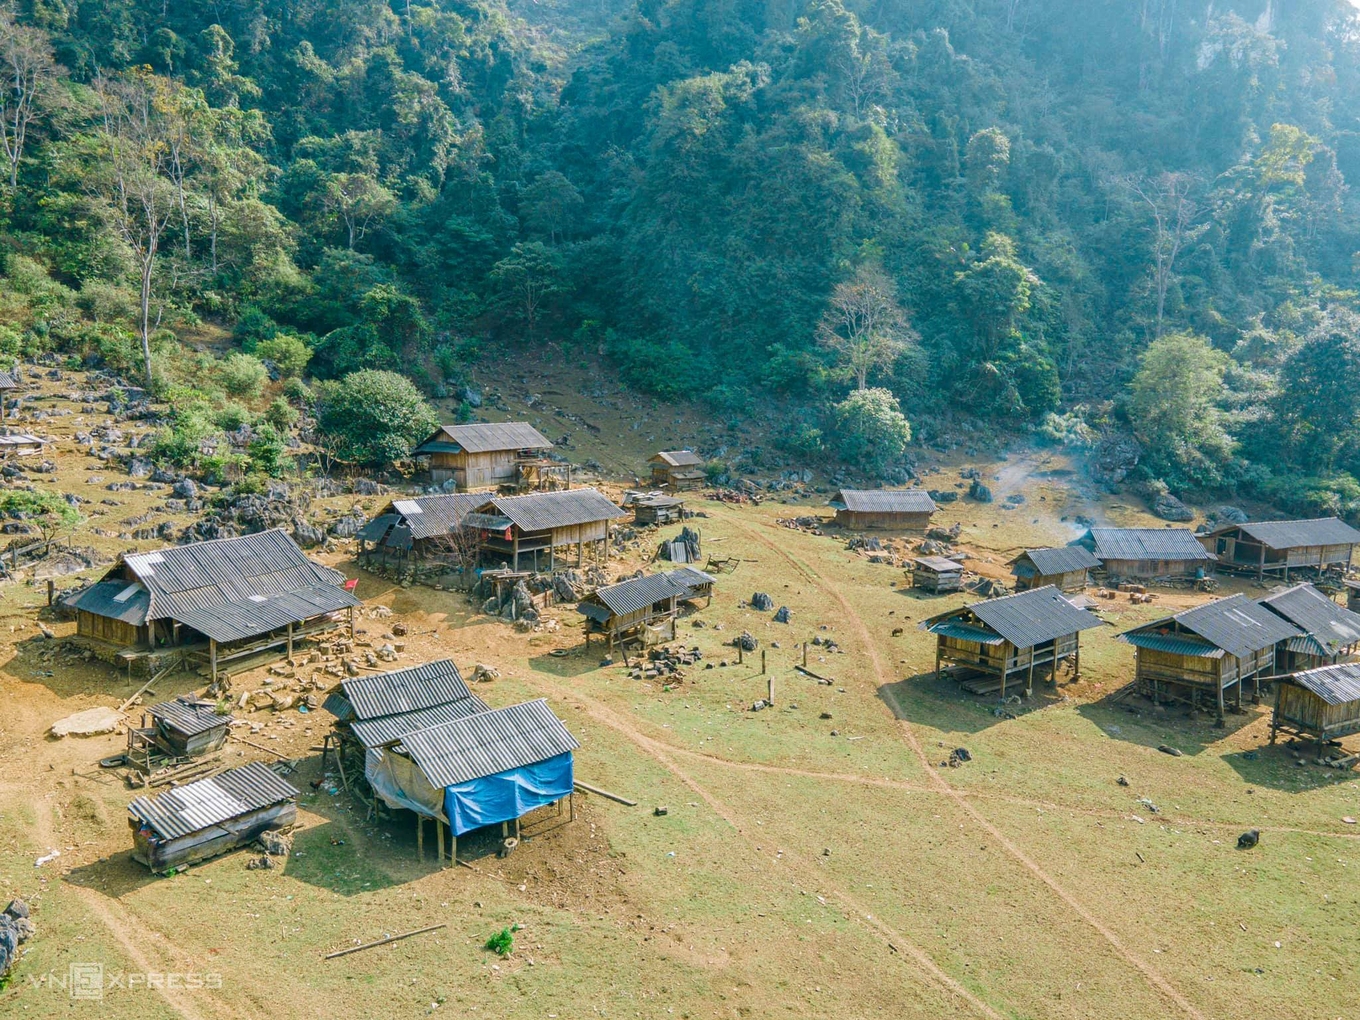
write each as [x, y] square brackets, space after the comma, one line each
[1261, 564]
[290, 644]
[805, 644]
[439, 839]
[515, 560]
[1219, 685]
[351, 623]
[762, 663]
[453, 845]
[571, 806]
[212, 659]
[1029, 682]
[740, 650]
[51, 587]
[420, 836]
[769, 683]
[937, 658]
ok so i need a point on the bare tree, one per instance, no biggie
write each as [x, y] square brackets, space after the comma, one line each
[862, 79]
[864, 324]
[1169, 198]
[28, 68]
[133, 180]
[358, 199]
[459, 547]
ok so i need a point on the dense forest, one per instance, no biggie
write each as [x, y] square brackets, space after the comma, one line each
[1088, 219]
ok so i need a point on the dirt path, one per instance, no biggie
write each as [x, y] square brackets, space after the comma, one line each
[897, 942]
[884, 681]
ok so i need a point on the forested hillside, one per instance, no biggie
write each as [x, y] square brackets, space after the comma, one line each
[1090, 218]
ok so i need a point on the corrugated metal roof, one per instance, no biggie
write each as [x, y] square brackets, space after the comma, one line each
[1236, 624]
[490, 437]
[189, 716]
[1335, 685]
[679, 458]
[375, 529]
[405, 690]
[1296, 534]
[225, 570]
[1176, 644]
[1033, 617]
[1060, 560]
[691, 577]
[963, 631]
[939, 564]
[209, 802]
[488, 743]
[116, 600]
[389, 729]
[8, 382]
[338, 705]
[544, 511]
[1333, 626]
[20, 438]
[232, 621]
[638, 593]
[1144, 544]
[1308, 645]
[893, 501]
[432, 516]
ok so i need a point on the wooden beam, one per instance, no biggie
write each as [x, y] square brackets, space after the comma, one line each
[604, 793]
[383, 942]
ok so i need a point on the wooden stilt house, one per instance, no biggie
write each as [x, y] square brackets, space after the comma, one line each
[1066, 568]
[1330, 633]
[1322, 703]
[1276, 547]
[1007, 640]
[677, 470]
[936, 574]
[1202, 652]
[1146, 553]
[537, 525]
[210, 817]
[486, 455]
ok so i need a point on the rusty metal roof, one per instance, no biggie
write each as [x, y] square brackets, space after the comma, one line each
[212, 801]
[190, 716]
[1334, 627]
[885, 501]
[545, 511]
[490, 437]
[488, 743]
[1336, 685]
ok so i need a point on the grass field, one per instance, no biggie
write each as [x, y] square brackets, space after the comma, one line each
[797, 873]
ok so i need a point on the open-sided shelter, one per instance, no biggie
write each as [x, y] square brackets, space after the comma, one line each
[889, 509]
[1013, 635]
[1276, 547]
[420, 527]
[543, 522]
[1323, 703]
[214, 601]
[21, 444]
[1147, 552]
[677, 469]
[1066, 568]
[1207, 649]
[9, 383]
[1331, 632]
[209, 817]
[485, 455]
[641, 607]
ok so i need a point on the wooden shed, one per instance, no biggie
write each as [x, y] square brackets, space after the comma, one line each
[642, 607]
[655, 509]
[212, 601]
[1352, 587]
[1330, 633]
[1014, 636]
[936, 574]
[1322, 703]
[1276, 547]
[210, 817]
[20, 444]
[1147, 553]
[485, 455]
[1066, 568]
[189, 726]
[890, 509]
[541, 523]
[9, 384]
[418, 528]
[677, 469]
[1201, 652]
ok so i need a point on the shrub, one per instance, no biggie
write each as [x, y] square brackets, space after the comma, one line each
[231, 416]
[374, 417]
[871, 430]
[268, 451]
[297, 391]
[288, 351]
[252, 327]
[241, 375]
[281, 414]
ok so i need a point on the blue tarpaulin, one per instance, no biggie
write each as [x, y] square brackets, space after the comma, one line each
[507, 795]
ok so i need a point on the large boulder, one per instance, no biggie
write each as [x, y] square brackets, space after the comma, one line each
[307, 536]
[348, 526]
[1231, 515]
[980, 492]
[761, 602]
[89, 723]
[185, 488]
[1169, 508]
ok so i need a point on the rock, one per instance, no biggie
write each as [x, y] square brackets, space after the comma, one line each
[979, 492]
[1169, 508]
[308, 536]
[761, 602]
[760, 706]
[483, 673]
[276, 844]
[1122, 781]
[1113, 458]
[661, 810]
[1175, 752]
[747, 641]
[140, 467]
[185, 488]
[1231, 515]
[17, 908]
[782, 616]
[472, 396]
[89, 723]
[1248, 839]
[347, 526]
[943, 495]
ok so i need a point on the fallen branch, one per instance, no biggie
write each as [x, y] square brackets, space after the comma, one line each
[807, 672]
[604, 793]
[383, 942]
[261, 747]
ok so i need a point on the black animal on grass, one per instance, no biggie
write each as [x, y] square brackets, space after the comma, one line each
[1248, 839]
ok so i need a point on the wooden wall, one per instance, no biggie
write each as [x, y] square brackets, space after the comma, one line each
[883, 521]
[107, 629]
[1300, 709]
[1073, 580]
[162, 855]
[474, 470]
[1156, 568]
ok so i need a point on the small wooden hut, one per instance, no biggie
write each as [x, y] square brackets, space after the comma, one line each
[541, 523]
[20, 444]
[643, 607]
[677, 469]
[1146, 553]
[189, 727]
[203, 819]
[936, 574]
[1011, 636]
[1066, 568]
[485, 455]
[1205, 650]
[9, 384]
[1323, 703]
[1331, 633]
[1276, 547]
[1352, 587]
[655, 509]
[419, 528]
[890, 509]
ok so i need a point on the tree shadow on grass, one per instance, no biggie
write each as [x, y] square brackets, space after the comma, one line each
[1137, 720]
[943, 705]
[576, 662]
[329, 856]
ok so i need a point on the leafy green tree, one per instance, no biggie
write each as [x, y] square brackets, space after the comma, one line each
[552, 205]
[48, 511]
[1175, 406]
[358, 201]
[870, 429]
[268, 450]
[994, 291]
[286, 350]
[242, 375]
[1318, 405]
[526, 279]
[374, 417]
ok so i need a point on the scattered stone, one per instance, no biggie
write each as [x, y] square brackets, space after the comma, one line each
[746, 642]
[1175, 752]
[759, 706]
[661, 810]
[782, 616]
[1122, 781]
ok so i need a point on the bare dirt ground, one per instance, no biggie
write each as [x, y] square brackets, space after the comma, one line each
[816, 857]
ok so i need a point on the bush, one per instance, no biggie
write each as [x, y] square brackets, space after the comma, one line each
[231, 416]
[374, 417]
[281, 414]
[870, 429]
[297, 391]
[288, 351]
[241, 375]
[803, 440]
[268, 451]
[253, 327]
